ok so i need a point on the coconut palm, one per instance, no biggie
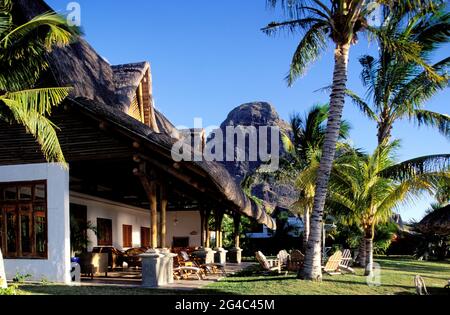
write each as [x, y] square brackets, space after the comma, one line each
[341, 21]
[368, 188]
[398, 89]
[23, 52]
[308, 134]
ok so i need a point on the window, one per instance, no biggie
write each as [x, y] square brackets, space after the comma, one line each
[127, 234]
[145, 237]
[104, 232]
[23, 219]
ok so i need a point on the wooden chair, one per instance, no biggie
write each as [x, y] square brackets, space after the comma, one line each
[333, 263]
[93, 263]
[283, 256]
[268, 264]
[421, 288]
[346, 261]
[296, 260]
[212, 268]
[183, 271]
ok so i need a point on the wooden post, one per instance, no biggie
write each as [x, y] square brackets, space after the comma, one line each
[218, 221]
[202, 228]
[163, 215]
[207, 232]
[149, 186]
[154, 215]
[237, 222]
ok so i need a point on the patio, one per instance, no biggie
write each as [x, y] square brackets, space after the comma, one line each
[132, 278]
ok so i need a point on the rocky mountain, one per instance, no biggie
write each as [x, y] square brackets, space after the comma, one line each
[258, 114]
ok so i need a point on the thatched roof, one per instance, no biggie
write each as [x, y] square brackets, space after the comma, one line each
[126, 79]
[437, 222]
[102, 90]
[222, 180]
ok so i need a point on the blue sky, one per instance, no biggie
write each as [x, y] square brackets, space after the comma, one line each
[208, 57]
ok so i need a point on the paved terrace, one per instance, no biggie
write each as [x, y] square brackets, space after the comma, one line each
[132, 278]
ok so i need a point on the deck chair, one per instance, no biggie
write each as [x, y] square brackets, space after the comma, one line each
[333, 263]
[283, 256]
[207, 268]
[346, 261]
[268, 264]
[296, 260]
[421, 288]
[182, 271]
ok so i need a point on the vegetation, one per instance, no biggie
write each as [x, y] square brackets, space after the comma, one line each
[368, 188]
[308, 135]
[23, 51]
[341, 21]
[399, 88]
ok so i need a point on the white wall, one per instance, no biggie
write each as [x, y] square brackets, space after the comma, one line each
[182, 224]
[120, 214]
[57, 267]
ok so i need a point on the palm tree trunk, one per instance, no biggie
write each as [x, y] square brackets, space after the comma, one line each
[312, 269]
[384, 132]
[362, 253]
[369, 234]
[306, 224]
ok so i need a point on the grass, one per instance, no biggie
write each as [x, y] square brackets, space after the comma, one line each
[396, 277]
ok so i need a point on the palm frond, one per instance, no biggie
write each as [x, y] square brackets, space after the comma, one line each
[422, 165]
[362, 105]
[59, 33]
[40, 127]
[39, 100]
[308, 50]
[433, 119]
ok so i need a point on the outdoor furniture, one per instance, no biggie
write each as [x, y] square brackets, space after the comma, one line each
[189, 261]
[421, 288]
[93, 263]
[295, 260]
[346, 261]
[333, 263]
[268, 264]
[132, 257]
[183, 271]
[116, 257]
[283, 256]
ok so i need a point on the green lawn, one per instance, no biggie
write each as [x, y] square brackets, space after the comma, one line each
[396, 277]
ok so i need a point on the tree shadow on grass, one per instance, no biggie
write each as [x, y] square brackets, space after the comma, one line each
[112, 290]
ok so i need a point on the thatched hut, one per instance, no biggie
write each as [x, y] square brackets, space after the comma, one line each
[437, 222]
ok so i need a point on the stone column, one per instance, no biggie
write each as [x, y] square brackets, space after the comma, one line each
[153, 274]
[235, 255]
[220, 257]
[167, 262]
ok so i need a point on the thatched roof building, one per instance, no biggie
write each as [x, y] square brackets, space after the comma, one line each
[437, 222]
[119, 99]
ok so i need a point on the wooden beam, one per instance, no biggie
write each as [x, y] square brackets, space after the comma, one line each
[149, 186]
[163, 215]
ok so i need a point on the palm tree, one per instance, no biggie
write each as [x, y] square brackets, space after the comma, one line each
[369, 188]
[398, 89]
[341, 21]
[308, 134]
[23, 52]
